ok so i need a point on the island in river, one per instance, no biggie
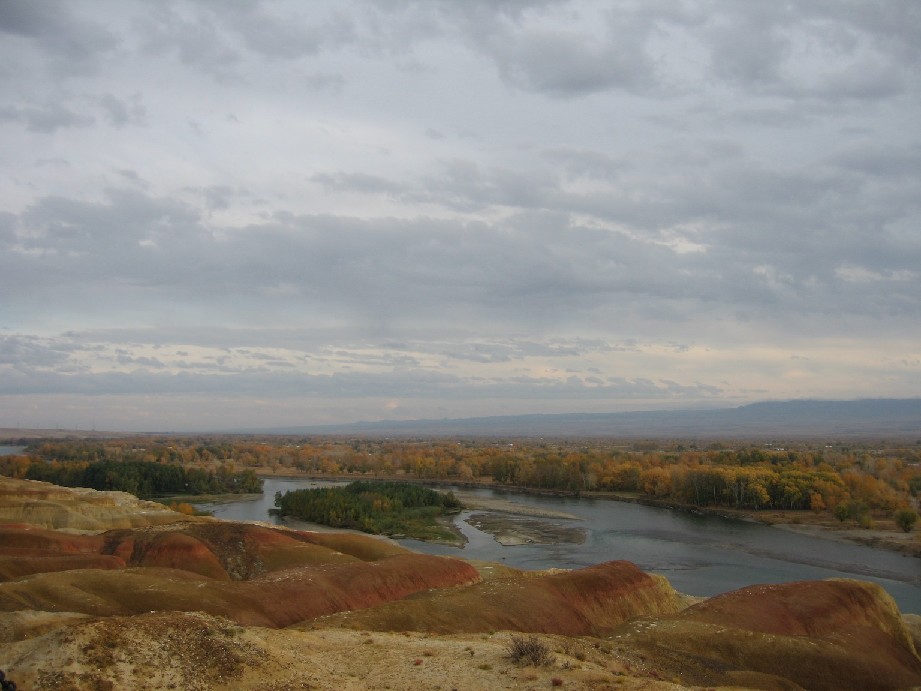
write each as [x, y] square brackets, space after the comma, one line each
[408, 510]
[383, 508]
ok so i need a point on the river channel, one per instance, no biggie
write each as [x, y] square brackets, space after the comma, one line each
[700, 555]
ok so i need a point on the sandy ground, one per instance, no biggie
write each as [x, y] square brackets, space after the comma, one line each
[512, 523]
[472, 501]
[197, 652]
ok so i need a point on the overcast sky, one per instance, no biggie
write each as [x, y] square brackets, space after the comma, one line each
[217, 213]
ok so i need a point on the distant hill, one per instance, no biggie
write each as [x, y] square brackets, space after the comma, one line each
[870, 418]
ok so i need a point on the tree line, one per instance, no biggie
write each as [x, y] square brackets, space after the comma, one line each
[144, 479]
[848, 479]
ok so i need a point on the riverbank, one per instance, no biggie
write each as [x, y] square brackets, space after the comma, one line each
[884, 534]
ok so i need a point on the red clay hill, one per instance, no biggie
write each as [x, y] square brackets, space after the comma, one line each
[71, 561]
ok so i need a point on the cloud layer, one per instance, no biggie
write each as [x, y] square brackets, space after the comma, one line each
[269, 212]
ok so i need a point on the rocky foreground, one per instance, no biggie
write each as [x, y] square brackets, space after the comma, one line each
[101, 591]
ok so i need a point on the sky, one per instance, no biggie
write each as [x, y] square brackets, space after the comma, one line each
[251, 213]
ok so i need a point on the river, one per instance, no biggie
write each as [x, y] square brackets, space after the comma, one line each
[700, 555]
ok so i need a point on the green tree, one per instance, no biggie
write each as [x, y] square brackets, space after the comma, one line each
[905, 519]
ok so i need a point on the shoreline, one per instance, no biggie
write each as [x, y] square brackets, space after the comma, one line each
[804, 522]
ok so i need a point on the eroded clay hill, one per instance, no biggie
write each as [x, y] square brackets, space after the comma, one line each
[148, 599]
[222, 551]
[251, 574]
[587, 602]
[63, 508]
[835, 634]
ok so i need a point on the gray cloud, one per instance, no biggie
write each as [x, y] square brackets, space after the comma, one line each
[73, 41]
[361, 183]
[8, 224]
[288, 36]
[45, 119]
[410, 383]
[22, 352]
[215, 37]
[160, 249]
[122, 112]
[561, 63]
[467, 205]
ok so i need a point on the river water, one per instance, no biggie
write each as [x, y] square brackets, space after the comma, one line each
[700, 555]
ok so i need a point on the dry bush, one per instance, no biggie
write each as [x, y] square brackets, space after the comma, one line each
[529, 650]
[183, 508]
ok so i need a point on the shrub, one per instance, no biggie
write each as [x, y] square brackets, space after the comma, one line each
[842, 512]
[906, 519]
[183, 508]
[529, 651]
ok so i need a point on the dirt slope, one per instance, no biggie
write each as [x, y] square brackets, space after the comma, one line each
[152, 600]
[198, 652]
[590, 601]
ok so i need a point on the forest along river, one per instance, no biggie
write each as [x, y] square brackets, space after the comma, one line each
[700, 555]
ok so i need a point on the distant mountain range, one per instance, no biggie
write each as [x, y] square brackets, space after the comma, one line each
[869, 418]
